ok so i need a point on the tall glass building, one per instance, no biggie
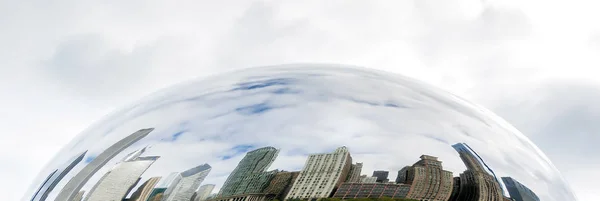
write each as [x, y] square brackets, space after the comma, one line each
[204, 191]
[249, 176]
[189, 183]
[518, 191]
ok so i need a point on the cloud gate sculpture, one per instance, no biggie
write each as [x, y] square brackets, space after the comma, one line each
[300, 132]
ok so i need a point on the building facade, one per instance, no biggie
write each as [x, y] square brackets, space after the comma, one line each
[518, 191]
[474, 162]
[355, 171]
[143, 192]
[75, 184]
[371, 190]
[401, 178]
[281, 184]
[117, 183]
[249, 175]
[478, 182]
[245, 197]
[204, 191]
[382, 176]
[167, 185]
[321, 174]
[189, 182]
[368, 180]
[428, 180]
[478, 186]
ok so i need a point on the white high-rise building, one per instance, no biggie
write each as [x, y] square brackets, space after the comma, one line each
[169, 184]
[204, 191]
[189, 183]
[321, 174]
[117, 183]
[72, 188]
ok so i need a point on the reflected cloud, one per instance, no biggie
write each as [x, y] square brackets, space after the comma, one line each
[301, 132]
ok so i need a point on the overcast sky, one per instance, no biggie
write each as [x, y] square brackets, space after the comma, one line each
[67, 63]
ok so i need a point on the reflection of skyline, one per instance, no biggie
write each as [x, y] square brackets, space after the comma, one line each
[70, 190]
[324, 175]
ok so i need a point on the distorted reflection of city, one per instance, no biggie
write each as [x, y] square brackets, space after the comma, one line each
[300, 132]
[325, 176]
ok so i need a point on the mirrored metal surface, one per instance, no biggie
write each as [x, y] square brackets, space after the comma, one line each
[301, 132]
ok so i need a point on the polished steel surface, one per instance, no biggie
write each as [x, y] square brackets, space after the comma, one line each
[300, 132]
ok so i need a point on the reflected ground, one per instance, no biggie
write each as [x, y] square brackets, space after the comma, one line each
[301, 132]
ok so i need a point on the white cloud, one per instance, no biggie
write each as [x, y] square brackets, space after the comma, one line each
[483, 51]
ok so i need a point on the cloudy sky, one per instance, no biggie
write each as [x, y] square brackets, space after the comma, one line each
[67, 63]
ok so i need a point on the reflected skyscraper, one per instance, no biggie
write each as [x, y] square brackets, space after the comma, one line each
[328, 169]
[74, 185]
[188, 184]
[428, 180]
[117, 183]
[478, 182]
[166, 186]
[55, 177]
[382, 176]
[401, 177]
[143, 192]
[518, 191]
[249, 175]
[204, 191]
[354, 175]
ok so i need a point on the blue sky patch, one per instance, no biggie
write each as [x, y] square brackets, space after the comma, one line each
[237, 150]
[254, 109]
[263, 84]
[89, 159]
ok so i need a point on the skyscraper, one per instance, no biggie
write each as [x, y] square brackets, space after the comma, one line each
[382, 176]
[190, 181]
[78, 181]
[281, 184]
[249, 175]
[478, 182]
[322, 173]
[204, 191]
[55, 177]
[475, 163]
[401, 178]
[518, 191]
[354, 175]
[167, 185]
[428, 180]
[117, 183]
[143, 192]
